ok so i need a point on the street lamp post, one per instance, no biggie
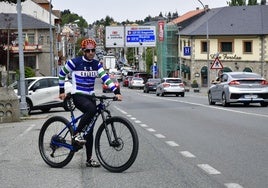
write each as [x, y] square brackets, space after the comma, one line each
[51, 41]
[208, 64]
[179, 51]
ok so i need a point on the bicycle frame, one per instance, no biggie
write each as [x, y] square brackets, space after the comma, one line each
[101, 109]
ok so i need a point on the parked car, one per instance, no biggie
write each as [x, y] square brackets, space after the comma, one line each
[118, 75]
[106, 89]
[136, 82]
[126, 80]
[170, 86]
[239, 87]
[145, 76]
[151, 84]
[43, 93]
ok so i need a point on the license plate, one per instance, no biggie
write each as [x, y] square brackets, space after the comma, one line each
[251, 96]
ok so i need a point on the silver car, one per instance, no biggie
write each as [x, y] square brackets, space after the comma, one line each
[136, 82]
[239, 87]
[170, 86]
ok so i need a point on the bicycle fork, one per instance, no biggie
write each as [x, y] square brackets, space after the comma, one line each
[110, 134]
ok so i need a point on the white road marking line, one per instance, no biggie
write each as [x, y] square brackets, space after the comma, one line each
[208, 106]
[172, 143]
[133, 118]
[187, 154]
[233, 185]
[160, 136]
[122, 111]
[209, 169]
[143, 125]
[151, 130]
[27, 130]
[129, 115]
[137, 121]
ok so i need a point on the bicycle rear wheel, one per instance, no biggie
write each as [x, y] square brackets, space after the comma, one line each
[55, 141]
[123, 150]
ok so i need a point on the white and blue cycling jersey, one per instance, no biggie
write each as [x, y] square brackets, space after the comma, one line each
[83, 73]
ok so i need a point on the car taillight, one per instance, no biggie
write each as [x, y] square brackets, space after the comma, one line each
[264, 82]
[234, 82]
[166, 85]
[181, 85]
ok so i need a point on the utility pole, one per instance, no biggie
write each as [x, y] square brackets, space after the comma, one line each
[23, 104]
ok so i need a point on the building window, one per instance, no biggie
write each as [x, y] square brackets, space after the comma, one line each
[226, 46]
[204, 47]
[247, 46]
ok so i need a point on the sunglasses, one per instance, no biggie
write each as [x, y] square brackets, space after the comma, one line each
[90, 50]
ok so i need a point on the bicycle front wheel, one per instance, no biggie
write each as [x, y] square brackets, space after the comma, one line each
[120, 153]
[55, 141]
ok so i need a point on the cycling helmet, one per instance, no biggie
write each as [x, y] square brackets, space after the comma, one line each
[88, 44]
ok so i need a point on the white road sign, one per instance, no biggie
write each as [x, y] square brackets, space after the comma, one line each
[114, 36]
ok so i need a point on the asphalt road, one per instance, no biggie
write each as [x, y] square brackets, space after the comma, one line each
[184, 142]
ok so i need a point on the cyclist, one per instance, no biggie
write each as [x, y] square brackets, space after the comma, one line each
[84, 70]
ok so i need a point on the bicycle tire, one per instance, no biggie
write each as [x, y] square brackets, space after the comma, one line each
[117, 158]
[62, 155]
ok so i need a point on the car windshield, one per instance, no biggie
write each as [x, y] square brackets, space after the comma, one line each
[154, 80]
[27, 83]
[134, 78]
[173, 81]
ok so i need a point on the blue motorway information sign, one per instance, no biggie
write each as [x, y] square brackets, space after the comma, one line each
[140, 36]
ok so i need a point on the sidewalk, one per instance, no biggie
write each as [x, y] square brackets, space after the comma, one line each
[202, 91]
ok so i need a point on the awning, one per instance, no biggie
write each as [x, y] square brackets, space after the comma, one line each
[226, 69]
[247, 69]
[184, 68]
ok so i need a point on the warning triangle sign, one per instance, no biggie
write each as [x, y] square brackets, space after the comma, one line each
[216, 64]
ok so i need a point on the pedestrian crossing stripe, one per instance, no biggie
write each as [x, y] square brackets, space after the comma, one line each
[216, 64]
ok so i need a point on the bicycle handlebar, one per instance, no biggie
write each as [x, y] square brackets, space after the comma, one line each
[114, 98]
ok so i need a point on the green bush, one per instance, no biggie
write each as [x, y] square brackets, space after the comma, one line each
[28, 71]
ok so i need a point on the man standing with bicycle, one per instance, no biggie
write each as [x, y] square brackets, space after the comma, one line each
[84, 70]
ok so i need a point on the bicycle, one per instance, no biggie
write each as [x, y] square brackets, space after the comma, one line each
[116, 140]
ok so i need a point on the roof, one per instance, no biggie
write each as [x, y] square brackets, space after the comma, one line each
[28, 22]
[234, 20]
[187, 16]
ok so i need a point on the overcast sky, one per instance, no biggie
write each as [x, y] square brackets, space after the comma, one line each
[121, 10]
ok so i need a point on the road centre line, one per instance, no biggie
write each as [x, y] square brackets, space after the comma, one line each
[160, 136]
[172, 143]
[27, 130]
[209, 169]
[143, 125]
[187, 154]
[233, 185]
[150, 130]
[208, 106]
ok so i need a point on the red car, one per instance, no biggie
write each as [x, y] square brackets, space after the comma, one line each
[126, 81]
[106, 89]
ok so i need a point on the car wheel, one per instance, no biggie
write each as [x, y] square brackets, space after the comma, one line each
[264, 104]
[182, 94]
[210, 102]
[29, 106]
[223, 100]
[162, 94]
